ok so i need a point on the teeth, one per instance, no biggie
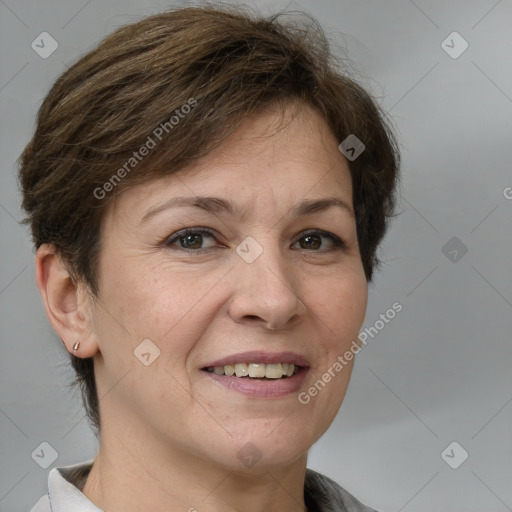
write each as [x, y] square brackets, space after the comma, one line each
[273, 371]
[256, 370]
[241, 370]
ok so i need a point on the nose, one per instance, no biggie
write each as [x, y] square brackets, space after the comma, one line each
[267, 292]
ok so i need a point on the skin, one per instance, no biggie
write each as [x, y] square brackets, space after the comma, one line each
[170, 435]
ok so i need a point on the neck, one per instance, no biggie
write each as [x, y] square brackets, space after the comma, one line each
[129, 476]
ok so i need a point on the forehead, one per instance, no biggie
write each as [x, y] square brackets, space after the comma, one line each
[280, 152]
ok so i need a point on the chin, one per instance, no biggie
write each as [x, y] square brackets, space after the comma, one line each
[252, 460]
[267, 449]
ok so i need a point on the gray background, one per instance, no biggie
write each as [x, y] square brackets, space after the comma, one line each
[440, 370]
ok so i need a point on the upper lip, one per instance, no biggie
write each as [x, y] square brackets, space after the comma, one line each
[257, 356]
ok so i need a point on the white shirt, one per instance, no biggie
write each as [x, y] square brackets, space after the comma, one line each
[62, 495]
[321, 494]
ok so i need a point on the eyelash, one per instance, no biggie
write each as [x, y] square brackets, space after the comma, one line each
[168, 242]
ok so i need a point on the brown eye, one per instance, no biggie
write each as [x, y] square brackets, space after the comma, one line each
[190, 240]
[313, 241]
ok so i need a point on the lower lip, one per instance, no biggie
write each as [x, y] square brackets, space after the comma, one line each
[261, 388]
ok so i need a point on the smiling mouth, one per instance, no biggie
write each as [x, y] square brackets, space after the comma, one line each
[256, 371]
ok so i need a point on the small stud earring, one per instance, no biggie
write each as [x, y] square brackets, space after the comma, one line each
[76, 345]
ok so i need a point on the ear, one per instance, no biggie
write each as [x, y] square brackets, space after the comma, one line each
[67, 305]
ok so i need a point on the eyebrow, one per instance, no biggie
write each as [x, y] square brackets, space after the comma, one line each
[219, 205]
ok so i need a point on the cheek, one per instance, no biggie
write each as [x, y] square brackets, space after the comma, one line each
[161, 300]
[340, 303]
[338, 307]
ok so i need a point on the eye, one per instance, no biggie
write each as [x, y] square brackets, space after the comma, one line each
[313, 241]
[190, 239]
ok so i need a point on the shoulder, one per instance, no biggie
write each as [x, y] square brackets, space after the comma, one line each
[324, 495]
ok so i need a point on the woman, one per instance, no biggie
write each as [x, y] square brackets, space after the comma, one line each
[206, 192]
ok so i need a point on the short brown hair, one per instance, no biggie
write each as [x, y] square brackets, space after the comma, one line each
[224, 63]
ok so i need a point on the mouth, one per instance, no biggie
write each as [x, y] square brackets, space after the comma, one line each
[258, 374]
[259, 371]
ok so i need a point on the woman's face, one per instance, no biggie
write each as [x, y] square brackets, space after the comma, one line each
[263, 277]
